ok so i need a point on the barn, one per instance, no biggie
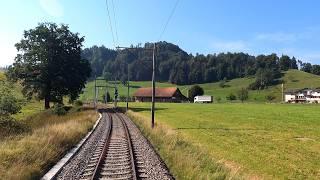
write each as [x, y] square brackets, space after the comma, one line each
[167, 94]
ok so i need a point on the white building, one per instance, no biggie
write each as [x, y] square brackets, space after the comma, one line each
[303, 96]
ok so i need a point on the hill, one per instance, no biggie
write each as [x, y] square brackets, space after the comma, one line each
[293, 79]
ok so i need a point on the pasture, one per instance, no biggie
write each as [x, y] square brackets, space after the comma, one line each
[292, 79]
[252, 140]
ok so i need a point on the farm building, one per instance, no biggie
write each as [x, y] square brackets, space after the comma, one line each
[168, 94]
[303, 96]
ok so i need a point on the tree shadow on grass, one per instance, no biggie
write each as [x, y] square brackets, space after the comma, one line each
[146, 109]
[135, 86]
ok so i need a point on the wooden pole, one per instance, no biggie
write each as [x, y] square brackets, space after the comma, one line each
[95, 92]
[128, 87]
[153, 86]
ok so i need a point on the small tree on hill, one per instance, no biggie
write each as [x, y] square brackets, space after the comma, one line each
[243, 94]
[195, 90]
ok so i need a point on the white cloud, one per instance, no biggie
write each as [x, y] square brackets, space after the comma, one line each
[278, 37]
[52, 7]
[289, 37]
[230, 46]
[7, 49]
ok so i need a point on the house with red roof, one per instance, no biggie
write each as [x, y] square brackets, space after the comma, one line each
[167, 94]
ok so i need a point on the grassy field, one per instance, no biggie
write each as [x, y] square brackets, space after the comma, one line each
[268, 141]
[30, 146]
[292, 79]
[29, 156]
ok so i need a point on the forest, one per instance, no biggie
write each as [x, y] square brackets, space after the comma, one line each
[176, 66]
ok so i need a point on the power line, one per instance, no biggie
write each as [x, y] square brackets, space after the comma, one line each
[115, 22]
[169, 18]
[110, 24]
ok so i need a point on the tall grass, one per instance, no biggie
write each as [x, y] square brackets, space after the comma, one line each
[30, 155]
[185, 160]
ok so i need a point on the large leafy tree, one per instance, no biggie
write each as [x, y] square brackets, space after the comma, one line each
[49, 63]
[195, 90]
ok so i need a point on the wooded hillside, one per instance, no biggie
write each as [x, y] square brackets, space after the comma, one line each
[176, 66]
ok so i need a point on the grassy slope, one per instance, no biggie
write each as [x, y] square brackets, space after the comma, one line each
[271, 141]
[29, 156]
[292, 79]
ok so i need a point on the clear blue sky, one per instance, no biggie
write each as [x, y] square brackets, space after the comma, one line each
[282, 26]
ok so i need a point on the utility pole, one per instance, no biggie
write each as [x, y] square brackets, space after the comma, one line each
[106, 96]
[153, 85]
[128, 87]
[115, 94]
[282, 85]
[153, 77]
[95, 92]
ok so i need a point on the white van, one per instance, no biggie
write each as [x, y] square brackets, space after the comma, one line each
[203, 99]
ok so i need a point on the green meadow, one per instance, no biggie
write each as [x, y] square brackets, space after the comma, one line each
[263, 141]
[292, 79]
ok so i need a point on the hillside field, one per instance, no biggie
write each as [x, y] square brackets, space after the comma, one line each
[293, 79]
[269, 141]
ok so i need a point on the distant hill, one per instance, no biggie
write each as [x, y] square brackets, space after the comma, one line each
[175, 65]
[293, 79]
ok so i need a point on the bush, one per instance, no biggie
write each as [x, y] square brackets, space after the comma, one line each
[223, 82]
[9, 105]
[243, 94]
[231, 97]
[270, 97]
[123, 98]
[218, 99]
[78, 103]
[9, 126]
[59, 109]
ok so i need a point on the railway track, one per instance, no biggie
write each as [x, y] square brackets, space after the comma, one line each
[113, 158]
[115, 150]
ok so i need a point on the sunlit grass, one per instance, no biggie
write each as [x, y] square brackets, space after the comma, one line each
[29, 156]
[272, 141]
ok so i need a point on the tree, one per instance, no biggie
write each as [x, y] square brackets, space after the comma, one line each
[243, 94]
[293, 64]
[315, 69]
[285, 63]
[306, 67]
[195, 90]
[49, 63]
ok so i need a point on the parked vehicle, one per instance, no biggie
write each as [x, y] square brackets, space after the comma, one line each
[203, 99]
